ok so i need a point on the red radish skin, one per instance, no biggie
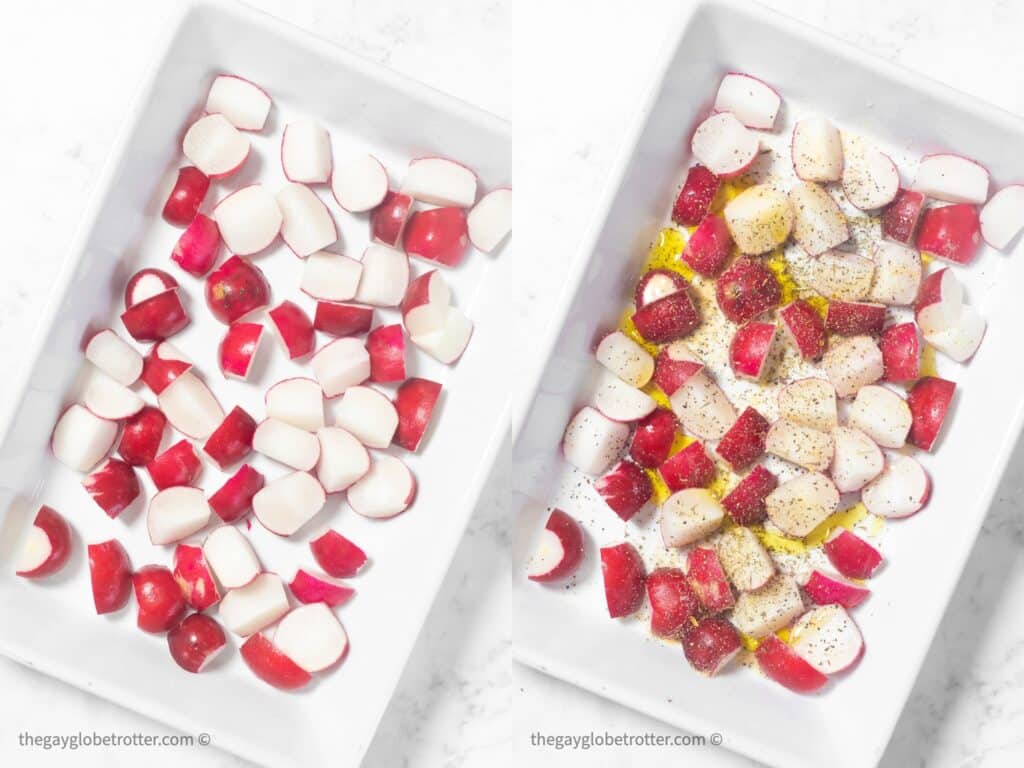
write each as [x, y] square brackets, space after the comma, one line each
[744, 443]
[786, 667]
[238, 349]
[709, 246]
[57, 533]
[667, 319]
[937, 287]
[750, 349]
[745, 503]
[695, 197]
[673, 602]
[271, 666]
[141, 436]
[161, 604]
[951, 232]
[234, 499]
[626, 489]
[929, 401]
[342, 319]
[156, 318]
[110, 573]
[232, 440]
[236, 288]
[388, 220]
[854, 318]
[386, 345]
[657, 284]
[711, 644]
[414, 401]
[428, 288]
[197, 248]
[652, 438]
[145, 284]
[337, 556]
[624, 576]
[747, 289]
[178, 465]
[672, 371]
[570, 539]
[113, 486]
[899, 219]
[195, 642]
[437, 235]
[188, 194]
[849, 554]
[162, 366]
[194, 577]
[805, 329]
[689, 468]
[901, 352]
[308, 588]
[824, 589]
[294, 328]
[707, 577]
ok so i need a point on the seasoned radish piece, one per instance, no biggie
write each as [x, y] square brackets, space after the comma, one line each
[818, 224]
[341, 364]
[440, 181]
[113, 486]
[750, 349]
[929, 400]
[897, 275]
[809, 403]
[618, 400]
[695, 197]
[249, 219]
[939, 302]
[673, 601]
[145, 284]
[81, 438]
[804, 328]
[857, 459]
[746, 562]
[800, 505]
[952, 178]
[724, 145]
[960, 340]
[368, 415]
[827, 639]
[1002, 217]
[702, 407]
[186, 196]
[745, 503]
[258, 604]
[191, 407]
[271, 666]
[710, 644]
[343, 459]
[842, 276]
[855, 318]
[852, 363]
[752, 101]
[826, 589]
[312, 637]
[214, 146]
[707, 578]
[688, 516]
[593, 442]
[294, 328]
[415, 401]
[899, 219]
[231, 557]
[759, 219]
[950, 232]
[657, 284]
[242, 102]
[689, 468]
[164, 363]
[109, 399]
[901, 490]
[156, 318]
[747, 289]
[709, 246]
[385, 491]
[306, 153]
[385, 277]
[744, 442]
[331, 276]
[446, 343]
[817, 150]
[490, 221]
[309, 589]
[851, 555]
[625, 358]
[291, 446]
[284, 505]
[306, 225]
[870, 179]
[804, 446]
[360, 184]
[238, 349]
[624, 575]
[625, 489]
[298, 401]
[236, 288]
[47, 546]
[781, 663]
[667, 319]
[882, 415]
[176, 513]
[674, 366]
[560, 550]
[115, 357]
[768, 609]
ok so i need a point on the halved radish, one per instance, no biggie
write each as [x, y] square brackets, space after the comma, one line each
[855, 318]
[447, 343]
[804, 328]
[780, 663]
[870, 179]
[145, 284]
[800, 505]
[258, 604]
[385, 277]
[901, 490]
[308, 588]
[901, 352]
[939, 302]
[271, 666]
[115, 357]
[238, 348]
[929, 400]
[626, 488]
[164, 363]
[674, 366]
[343, 459]
[113, 486]
[197, 249]
[191, 407]
[439, 235]
[744, 559]
[215, 146]
[306, 225]
[141, 436]
[768, 609]
[297, 401]
[81, 438]
[415, 401]
[47, 546]
[286, 444]
[193, 574]
[752, 101]
[236, 288]
[751, 348]
[897, 274]
[110, 575]
[618, 400]
[851, 555]
[744, 442]
[899, 219]
[286, 504]
[804, 446]
[710, 644]
[249, 218]
[952, 178]
[826, 589]
[950, 232]
[560, 550]
[195, 642]
[818, 224]
[338, 556]
[702, 407]
[657, 284]
[156, 318]
[827, 639]
[960, 340]
[490, 221]
[312, 637]
[673, 601]
[759, 218]
[817, 150]
[159, 598]
[746, 502]
[386, 347]
[294, 328]
[689, 515]
[367, 414]
[744, 291]
[232, 440]
[387, 221]
[689, 468]
[109, 399]
[1002, 217]
[592, 441]
[178, 465]
[842, 276]
[186, 196]
[242, 102]
[625, 358]
[882, 415]
[724, 145]
[176, 513]
[810, 402]
[440, 181]
[360, 184]
[331, 276]
[306, 152]
[706, 577]
[709, 246]
[233, 499]
[852, 363]
[342, 319]
[231, 557]
[341, 364]
[385, 491]
[856, 461]
[667, 319]
[695, 198]
[425, 302]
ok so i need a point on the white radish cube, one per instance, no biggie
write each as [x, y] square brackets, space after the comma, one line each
[242, 102]
[330, 276]
[440, 181]
[306, 224]
[360, 184]
[306, 152]
[231, 557]
[368, 415]
[215, 146]
[385, 276]
[257, 605]
[341, 364]
[115, 357]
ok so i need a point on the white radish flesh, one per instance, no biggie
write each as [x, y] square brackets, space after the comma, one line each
[284, 505]
[724, 145]
[702, 407]
[215, 146]
[110, 399]
[360, 184]
[882, 415]
[242, 102]
[231, 557]
[176, 513]
[952, 178]
[744, 559]
[286, 444]
[368, 415]
[440, 181]
[385, 277]
[490, 221]
[800, 505]
[842, 276]
[306, 225]
[298, 401]
[870, 179]
[753, 102]
[306, 152]
[809, 402]
[817, 150]
[1002, 218]
[852, 363]
[191, 407]
[385, 491]
[115, 357]
[768, 609]
[625, 358]
[960, 340]
[900, 490]
[343, 459]
[258, 604]
[81, 438]
[312, 637]
[818, 224]
[592, 441]
[827, 639]
[897, 274]
[804, 446]
[618, 400]
[249, 219]
[447, 343]
[857, 460]
[331, 276]
[689, 516]
[341, 364]
[759, 219]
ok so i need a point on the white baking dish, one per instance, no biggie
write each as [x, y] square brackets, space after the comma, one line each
[566, 632]
[52, 626]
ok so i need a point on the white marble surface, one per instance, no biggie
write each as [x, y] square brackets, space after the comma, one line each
[566, 70]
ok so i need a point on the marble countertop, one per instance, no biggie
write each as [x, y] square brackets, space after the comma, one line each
[462, 701]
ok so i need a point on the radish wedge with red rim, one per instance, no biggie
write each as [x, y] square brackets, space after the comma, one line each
[242, 102]
[1002, 217]
[289, 445]
[284, 505]
[827, 638]
[231, 557]
[724, 145]
[560, 551]
[81, 438]
[901, 490]
[255, 606]
[952, 178]
[191, 407]
[109, 399]
[754, 102]
[306, 224]
[250, 219]
[306, 152]
[367, 414]
[343, 459]
[385, 491]
[490, 221]
[308, 588]
[312, 637]
[870, 179]
[298, 401]
[341, 364]
[593, 442]
[360, 184]
[215, 146]
[331, 277]
[817, 150]
[176, 513]
[440, 181]
[115, 357]
[385, 277]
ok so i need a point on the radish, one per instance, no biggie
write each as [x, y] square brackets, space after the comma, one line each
[385, 277]
[447, 343]
[249, 218]
[695, 197]
[709, 246]
[899, 219]
[592, 441]
[141, 436]
[804, 446]
[186, 196]
[113, 486]
[870, 179]
[674, 366]
[710, 644]
[827, 639]
[368, 415]
[231, 557]
[196, 642]
[387, 221]
[178, 465]
[810, 403]
[360, 185]
[745, 560]
[724, 145]
[308, 588]
[804, 328]
[901, 352]
[856, 460]
[163, 365]
[234, 499]
[242, 102]
[618, 401]
[952, 233]
[306, 152]
[385, 491]
[46, 549]
[560, 551]
[689, 515]
[827, 589]
[939, 302]
[439, 181]
[960, 340]
[194, 577]
[817, 150]
[625, 489]
[706, 577]
[855, 318]
[286, 444]
[667, 319]
[238, 348]
[415, 401]
[331, 277]
[490, 221]
[197, 248]
[744, 442]
[882, 415]
[115, 357]
[702, 407]
[673, 602]
[176, 513]
[1002, 217]
[191, 407]
[952, 178]
[440, 235]
[842, 276]
[110, 575]
[689, 468]
[745, 290]
[288, 503]
[145, 284]
[294, 328]
[341, 364]
[426, 302]
[156, 318]
[255, 606]
[818, 224]
[215, 147]
[108, 399]
[271, 666]
[236, 288]
[745, 503]
[81, 438]
[306, 226]
[342, 319]
[386, 347]
[297, 401]
[766, 610]
[343, 460]
[929, 400]
[625, 358]
[800, 505]
[158, 597]
[759, 218]
[852, 363]
[232, 440]
[753, 102]
[901, 490]
[781, 663]
[897, 274]
[338, 556]
[657, 284]
[624, 574]
[312, 637]
[851, 555]
[750, 349]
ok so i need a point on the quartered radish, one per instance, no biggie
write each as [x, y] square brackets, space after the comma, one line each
[827, 639]
[231, 557]
[827, 589]
[47, 547]
[367, 414]
[1002, 217]
[724, 145]
[306, 152]
[343, 459]
[294, 328]
[238, 349]
[115, 357]
[882, 415]
[197, 249]
[145, 284]
[800, 505]
[186, 196]
[386, 347]
[440, 181]
[113, 486]
[176, 513]
[870, 179]
[306, 225]
[242, 102]
[308, 588]
[258, 604]
[855, 318]
[331, 276]
[901, 490]
[841, 276]
[593, 442]
[960, 340]
[490, 221]
[81, 438]
[447, 342]
[232, 440]
[191, 407]
[360, 184]
[695, 197]
[385, 277]
[109, 399]
[818, 224]
[674, 366]
[156, 318]
[702, 407]
[286, 444]
[751, 348]
[625, 489]
[385, 491]
[439, 235]
[271, 666]
[897, 276]
[744, 559]
[759, 219]
[164, 363]
[161, 604]
[342, 319]
[804, 446]
[236, 288]
[312, 637]
[768, 609]
[215, 146]
[939, 302]
[196, 642]
[193, 574]
[856, 461]
[817, 150]
[754, 102]
[338, 556]
[810, 402]
[110, 575]
[559, 551]
[929, 400]
[781, 663]
[234, 499]
[387, 221]
[618, 400]
[625, 358]
[851, 555]
[284, 505]
[952, 178]
[852, 363]
[899, 219]
[657, 284]
[950, 232]
[688, 516]
[297, 401]
[178, 465]
[415, 401]
[249, 219]
[341, 364]
[141, 436]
